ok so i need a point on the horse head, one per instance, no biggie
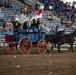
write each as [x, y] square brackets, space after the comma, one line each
[74, 33]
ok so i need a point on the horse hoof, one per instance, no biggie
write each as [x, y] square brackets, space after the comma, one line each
[48, 51]
[59, 51]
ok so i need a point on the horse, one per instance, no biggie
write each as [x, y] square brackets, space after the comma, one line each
[61, 39]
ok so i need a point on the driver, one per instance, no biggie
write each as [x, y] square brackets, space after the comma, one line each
[16, 26]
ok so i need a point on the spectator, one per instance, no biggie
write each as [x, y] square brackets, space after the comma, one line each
[4, 26]
[50, 17]
[53, 29]
[45, 28]
[57, 27]
[25, 10]
[1, 28]
[7, 4]
[1, 4]
[68, 22]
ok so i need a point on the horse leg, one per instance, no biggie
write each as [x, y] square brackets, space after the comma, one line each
[16, 46]
[52, 47]
[71, 47]
[59, 48]
[55, 44]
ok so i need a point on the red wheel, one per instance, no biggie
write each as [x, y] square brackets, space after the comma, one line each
[9, 48]
[25, 45]
[42, 46]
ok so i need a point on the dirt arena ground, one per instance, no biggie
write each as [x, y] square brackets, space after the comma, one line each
[54, 63]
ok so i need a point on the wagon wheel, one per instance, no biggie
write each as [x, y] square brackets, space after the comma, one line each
[9, 48]
[42, 46]
[25, 45]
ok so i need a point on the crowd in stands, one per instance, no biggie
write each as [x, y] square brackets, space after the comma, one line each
[7, 4]
[62, 10]
[27, 10]
[24, 9]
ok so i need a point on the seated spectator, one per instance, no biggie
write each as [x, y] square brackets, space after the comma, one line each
[32, 10]
[62, 21]
[1, 4]
[50, 17]
[1, 28]
[45, 28]
[68, 22]
[25, 10]
[57, 27]
[7, 4]
[53, 29]
[75, 17]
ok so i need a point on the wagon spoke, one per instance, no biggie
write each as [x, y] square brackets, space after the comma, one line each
[26, 45]
[9, 49]
[42, 46]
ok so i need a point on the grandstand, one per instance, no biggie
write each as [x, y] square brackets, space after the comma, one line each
[61, 13]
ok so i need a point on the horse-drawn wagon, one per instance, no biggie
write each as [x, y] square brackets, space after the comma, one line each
[25, 41]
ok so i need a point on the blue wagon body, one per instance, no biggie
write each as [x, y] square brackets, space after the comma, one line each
[34, 36]
[25, 40]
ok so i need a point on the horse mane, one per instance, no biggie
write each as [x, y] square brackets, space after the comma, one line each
[73, 33]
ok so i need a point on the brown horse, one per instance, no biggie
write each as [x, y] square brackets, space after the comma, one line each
[61, 39]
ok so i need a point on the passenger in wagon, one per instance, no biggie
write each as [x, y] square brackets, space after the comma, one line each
[9, 25]
[16, 27]
[25, 26]
[33, 22]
